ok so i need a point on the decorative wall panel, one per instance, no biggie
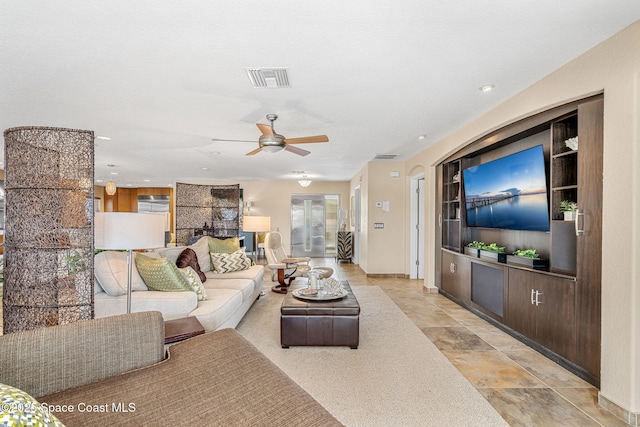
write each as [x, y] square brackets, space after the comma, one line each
[48, 241]
[212, 210]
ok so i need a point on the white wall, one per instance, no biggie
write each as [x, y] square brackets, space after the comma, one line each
[612, 67]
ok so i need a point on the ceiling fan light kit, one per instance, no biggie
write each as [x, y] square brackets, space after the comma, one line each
[304, 182]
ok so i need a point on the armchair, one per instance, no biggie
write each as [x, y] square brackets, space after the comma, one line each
[282, 265]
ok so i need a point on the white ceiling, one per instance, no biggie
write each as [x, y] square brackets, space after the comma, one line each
[161, 78]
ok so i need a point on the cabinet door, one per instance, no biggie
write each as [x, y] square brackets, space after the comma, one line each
[520, 313]
[542, 307]
[589, 257]
[556, 315]
[455, 275]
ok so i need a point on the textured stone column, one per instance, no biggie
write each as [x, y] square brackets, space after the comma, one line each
[48, 241]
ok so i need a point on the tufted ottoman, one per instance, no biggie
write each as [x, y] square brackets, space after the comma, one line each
[320, 323]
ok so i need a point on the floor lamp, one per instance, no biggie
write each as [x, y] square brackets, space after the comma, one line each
[256, 224]
[128, 231]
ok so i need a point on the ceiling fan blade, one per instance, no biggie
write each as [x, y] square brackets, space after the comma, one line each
[251, 153]
[265, 129]
[307, 139]
[296, 150]
[230, 140]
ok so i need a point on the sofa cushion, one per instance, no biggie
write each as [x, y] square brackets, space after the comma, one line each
[194, 281]
[161, 274]
[246, 286]
[20, 409]
[220, 306]
[255, 273]
[188, 258]
[224, 246]
[225, 263]
[111, 272]
[201, 248]
[172, 305]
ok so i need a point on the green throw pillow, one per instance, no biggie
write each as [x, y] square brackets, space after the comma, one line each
[226, 263]
[224, 246]
[160, 274]
[20, 409]
[194, 281]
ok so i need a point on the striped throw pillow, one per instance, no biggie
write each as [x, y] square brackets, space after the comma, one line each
[226, 263]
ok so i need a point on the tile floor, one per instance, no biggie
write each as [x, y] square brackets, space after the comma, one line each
[526, 388]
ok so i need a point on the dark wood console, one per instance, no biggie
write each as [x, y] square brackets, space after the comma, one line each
[556, 311]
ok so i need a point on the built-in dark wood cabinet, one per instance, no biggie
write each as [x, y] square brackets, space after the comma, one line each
[556, 311]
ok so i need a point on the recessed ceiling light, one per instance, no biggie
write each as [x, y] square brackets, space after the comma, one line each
[104, 138]
[204, 169]
[114, 173]
[98, 180]
[486, 88]
[128, 185]
[421, 137]
[147, 180]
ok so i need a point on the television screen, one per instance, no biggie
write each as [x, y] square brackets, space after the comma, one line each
[509, 192]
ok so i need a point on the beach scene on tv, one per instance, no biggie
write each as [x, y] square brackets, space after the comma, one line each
[509, 192]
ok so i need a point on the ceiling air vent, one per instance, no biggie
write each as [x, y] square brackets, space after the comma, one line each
[385, 157]
[268, 77]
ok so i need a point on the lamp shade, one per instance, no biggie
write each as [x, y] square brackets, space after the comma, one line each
[256, 223]
[123, 230]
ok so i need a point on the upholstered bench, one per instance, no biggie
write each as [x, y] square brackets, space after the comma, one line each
[319, 323]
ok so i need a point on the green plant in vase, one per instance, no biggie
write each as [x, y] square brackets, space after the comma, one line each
[476, 245]
[527, 253]
[493, 247]
[569, 209]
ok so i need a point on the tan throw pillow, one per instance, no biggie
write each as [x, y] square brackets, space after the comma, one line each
[194, 281]
[226, 263]
[160, 274]
[224, 246]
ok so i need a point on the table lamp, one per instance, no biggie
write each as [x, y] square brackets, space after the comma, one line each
[256, 224]
[128, 231]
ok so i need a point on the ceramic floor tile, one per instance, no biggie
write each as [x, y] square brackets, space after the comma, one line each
[490, 369]
[497, 338]
[433, 317]
[547, 371]
[535, 407]
[587, 400]
[455, 339]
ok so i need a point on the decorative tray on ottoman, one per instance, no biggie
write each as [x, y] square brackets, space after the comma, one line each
[309, 295]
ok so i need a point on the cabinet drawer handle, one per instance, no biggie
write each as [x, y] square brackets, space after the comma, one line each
[533, 299]
[452, 267]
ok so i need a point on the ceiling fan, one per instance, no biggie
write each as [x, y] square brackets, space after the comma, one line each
[272, 142]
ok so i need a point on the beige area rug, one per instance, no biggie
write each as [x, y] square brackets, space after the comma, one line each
[396, 377]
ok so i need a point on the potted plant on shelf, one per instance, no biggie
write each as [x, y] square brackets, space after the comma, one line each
[494, 252]
[569, 210]
[473, 248]
[528, 258]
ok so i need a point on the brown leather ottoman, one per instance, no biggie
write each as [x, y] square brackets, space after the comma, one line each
[320, 323]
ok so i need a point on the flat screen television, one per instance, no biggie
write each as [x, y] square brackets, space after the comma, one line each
[508, 193]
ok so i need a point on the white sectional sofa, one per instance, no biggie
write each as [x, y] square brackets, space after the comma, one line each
[229, 295]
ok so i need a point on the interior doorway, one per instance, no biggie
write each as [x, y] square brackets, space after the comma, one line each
[314, 225]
